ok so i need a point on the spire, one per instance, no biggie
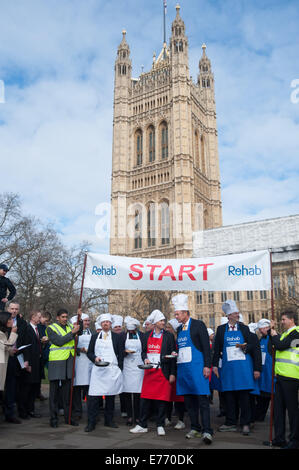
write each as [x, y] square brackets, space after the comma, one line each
[179, 41]
[123, 61]
[205, 78]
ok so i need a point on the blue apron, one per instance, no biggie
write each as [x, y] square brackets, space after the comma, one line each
[190, 364]
[237, 369]
[256, 383]
[215, 383]
[265, 380]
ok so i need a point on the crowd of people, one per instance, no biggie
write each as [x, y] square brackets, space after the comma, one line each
[171, 368]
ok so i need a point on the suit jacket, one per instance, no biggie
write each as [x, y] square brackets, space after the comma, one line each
[200, 339]
[256, 353]
[219, 342]
[33, 354]
[118, 347]
[21, 325]
[168, 366]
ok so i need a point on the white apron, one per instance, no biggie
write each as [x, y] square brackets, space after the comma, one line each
[132, 375]
[83, 364]
[105, 380]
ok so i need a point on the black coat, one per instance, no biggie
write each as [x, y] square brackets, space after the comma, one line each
[256, 353]
[22, 326]
[118, 346]
[168, 366]
[200, 339]
[219, 341]
[6, 285]
[33, 354]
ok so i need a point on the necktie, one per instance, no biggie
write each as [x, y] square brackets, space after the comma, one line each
[105, 335]
[184, 327]
[37, 335]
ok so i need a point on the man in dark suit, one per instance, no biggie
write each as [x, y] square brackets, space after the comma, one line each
[105, 346]
[194, 365]
[156, 386]
[33, 371]
[12, 383]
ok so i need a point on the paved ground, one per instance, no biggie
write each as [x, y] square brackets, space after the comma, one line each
[37, 434]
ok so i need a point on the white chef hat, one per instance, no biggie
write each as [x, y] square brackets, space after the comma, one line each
[229, 307]
[263, 323]
[98, 325]
[131, 322]
[117, 320]
[157, 316]
[174, 323]
[252, 327]
[74, 319]
[210, 331]
[104, 317]
[223, 320]
[241, 319]
[180, 302]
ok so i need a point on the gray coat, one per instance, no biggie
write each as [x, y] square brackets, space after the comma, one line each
[61, 370]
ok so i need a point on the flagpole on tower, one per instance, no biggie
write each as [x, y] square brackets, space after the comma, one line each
[164, 18]
[164, 26]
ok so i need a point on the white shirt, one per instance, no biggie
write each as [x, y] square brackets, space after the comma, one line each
[233, 327]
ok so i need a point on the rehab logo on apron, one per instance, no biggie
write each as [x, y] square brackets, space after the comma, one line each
[155, 386]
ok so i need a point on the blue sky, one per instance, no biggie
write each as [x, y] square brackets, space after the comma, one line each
[57, 59]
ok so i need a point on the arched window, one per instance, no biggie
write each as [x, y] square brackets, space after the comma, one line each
[165, 232]
[196, 153]
[151, 225]
[164, 140]
[202, 151]
[139, 146]
[138, 229]
[151, 144]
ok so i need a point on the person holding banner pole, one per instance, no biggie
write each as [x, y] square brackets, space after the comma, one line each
[61, 335]
[193, 369]
[287, 378]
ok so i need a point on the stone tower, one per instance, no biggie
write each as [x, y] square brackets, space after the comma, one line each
[165, 166]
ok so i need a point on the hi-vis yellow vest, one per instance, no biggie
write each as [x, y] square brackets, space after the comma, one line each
[61, 353]
[287, 361]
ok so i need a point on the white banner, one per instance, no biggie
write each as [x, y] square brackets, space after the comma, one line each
[245, 271]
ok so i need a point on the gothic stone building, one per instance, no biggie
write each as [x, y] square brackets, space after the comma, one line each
[165, 166]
